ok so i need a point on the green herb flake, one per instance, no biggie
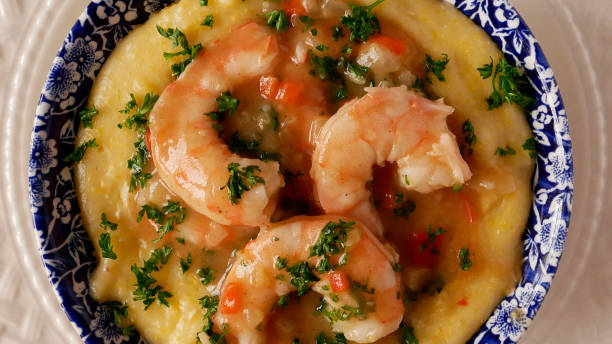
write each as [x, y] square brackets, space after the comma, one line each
[338, 338]
[436, 66]
[331, 241]
[337, 33]
[314, 32]
[509, 85]
[283, 301]
[431, 239]
[277, 19]
[322, 47]
[308, 22]
[408, 336]
[302, 277]
[457, 187]
[239, 146]
[185, 263]
[106, 246]
[146, 289]
[281, 263]
[106, 224]
[464, 259]
[502, 152]
[361, 22]
[203, 3]
[241, 180]
[206, 275]
[406, 180]
[530, 146]
[87, 116]
[180, 241]
[179, 40]
[208, 21]
[175, 212]
[119, 313]
[79, 153]
[226, 102]
[405, 209]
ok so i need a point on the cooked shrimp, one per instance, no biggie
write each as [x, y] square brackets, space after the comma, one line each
[386, 125]
[187, 151]
[362, 282]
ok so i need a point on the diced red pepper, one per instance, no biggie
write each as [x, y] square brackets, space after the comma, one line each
[231, 299]
[462, 302]
[289, 92]
[294, 7]
[339, 281]
[396, 46]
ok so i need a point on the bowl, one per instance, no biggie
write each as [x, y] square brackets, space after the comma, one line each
[67, 251]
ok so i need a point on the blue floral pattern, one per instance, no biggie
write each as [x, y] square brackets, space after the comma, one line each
[67, 250]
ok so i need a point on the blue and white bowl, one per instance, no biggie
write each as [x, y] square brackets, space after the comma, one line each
[67, 251]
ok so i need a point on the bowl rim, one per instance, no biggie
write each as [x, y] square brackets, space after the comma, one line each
[67, 251]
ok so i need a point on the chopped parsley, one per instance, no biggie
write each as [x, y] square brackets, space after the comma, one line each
[340, 94]
[79, 153]
[509, 85]
[208, 21]
[406, 180]
[530, 146]
[337, 33]
[239, 146]
[502, 152]
[432, 66]
[361, 22]
[464, 259]
[203, 3]
[241, 180]
[408, 336]
[314, 32]
[118, 311]
[331, 241]
[274, 119]
[206, 275]
[146, 289]
[179, 40]
[211, 304]
[283, 301]
[106, 246]
[342, 313]
[302, 277]
[87, 116]
[106, 224]
[165, 225]
[138, 121]
[225, 104]
[457, 187]
[185, 263]
[277, 19]
[322, 47]
[308, 22]
[469, 137]
[325, 68]
[180, 241]
[431, 239]
[338, 338]
[281, 263]
[404, 208]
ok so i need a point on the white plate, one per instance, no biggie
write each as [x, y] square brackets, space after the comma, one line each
[578, 308]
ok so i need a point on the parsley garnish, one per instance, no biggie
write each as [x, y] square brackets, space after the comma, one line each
[106, 224]
[356, 72]
[208, 21]
[281, 263]
[146, 289]
[106, 246]
[504, 152]
[331, 241]
[211, 304]
[206, 275]
[431, 66]
[239, 146]
[337, 33]
[79, 153]
[139, 121]
[277, 20]
[283, 301]
[119, 311]
[325, 68]
[302, 277]
[362, 23]
[340, 94]
[337, 339]
[322, 47]
[431, 238]
[179, 40]
[530, 146]
[464, 259]
[203, 3]
[241, 181]
[408, 336]
[227, 103]
[87, 116]
[165, 225]
[343, 313]
[308, 22]
[405, 209]
[469, 137]
[509, 85]
[457, 187]
[180, 241]
[185, 263]
[314, 32]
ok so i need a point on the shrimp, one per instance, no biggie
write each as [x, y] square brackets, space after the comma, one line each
[359, 279]
[387, 124]
[187, 151]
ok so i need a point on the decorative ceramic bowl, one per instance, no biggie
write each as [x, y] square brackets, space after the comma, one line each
[67, 251]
